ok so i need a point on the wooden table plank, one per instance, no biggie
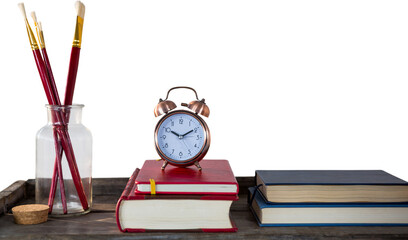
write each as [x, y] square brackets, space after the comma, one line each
[11, 195]
[101, 223]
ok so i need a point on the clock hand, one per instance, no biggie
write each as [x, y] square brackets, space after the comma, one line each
[178, 135]
[185, 144]
[187, 132]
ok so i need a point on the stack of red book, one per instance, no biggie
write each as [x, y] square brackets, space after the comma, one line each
[178, 199]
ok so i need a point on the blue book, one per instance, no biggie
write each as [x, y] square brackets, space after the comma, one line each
[331, 186]
[323, 214]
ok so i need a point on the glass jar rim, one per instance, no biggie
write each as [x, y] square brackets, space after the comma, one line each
[58, 107]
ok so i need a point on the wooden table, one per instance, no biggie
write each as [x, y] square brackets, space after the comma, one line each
[101, 223]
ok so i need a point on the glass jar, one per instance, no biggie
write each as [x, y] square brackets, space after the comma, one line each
[64, 147]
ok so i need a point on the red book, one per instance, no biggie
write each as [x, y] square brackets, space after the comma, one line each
[137, 212]
[216, 177]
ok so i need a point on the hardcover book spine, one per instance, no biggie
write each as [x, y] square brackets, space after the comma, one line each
[125, 195]
[130, 184]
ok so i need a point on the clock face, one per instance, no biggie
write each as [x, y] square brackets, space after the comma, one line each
[181, 137]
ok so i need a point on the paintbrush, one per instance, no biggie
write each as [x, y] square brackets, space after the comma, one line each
[37, 56]
[47, 63]
[57, 174]
[76, 49]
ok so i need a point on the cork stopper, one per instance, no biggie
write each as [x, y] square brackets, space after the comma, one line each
[30, 213]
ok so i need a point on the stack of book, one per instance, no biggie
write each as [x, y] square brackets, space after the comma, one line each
[329, 198]
[178, 199]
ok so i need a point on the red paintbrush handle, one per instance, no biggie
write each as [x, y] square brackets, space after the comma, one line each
[53, 187]
[58, 159]
[67, 147]
[57, 175]
[53, 86]
[72, 73]
[69, 153]
[58, 149]
[43, 75]
[51, 100]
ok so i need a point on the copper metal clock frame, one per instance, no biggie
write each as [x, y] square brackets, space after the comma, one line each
[194, 160]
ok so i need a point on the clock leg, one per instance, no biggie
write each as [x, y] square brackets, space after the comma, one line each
[164, 164]
[197, 165]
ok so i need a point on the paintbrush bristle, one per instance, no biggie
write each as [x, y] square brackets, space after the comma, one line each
[22, 9]
[39, 27]
[34, 17]
[80, 7]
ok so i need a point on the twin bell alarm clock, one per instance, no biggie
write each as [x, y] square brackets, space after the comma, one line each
[182, 137]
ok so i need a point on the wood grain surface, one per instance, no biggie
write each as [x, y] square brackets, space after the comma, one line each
[101, 223]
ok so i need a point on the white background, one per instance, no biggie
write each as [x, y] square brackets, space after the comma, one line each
[290, 84]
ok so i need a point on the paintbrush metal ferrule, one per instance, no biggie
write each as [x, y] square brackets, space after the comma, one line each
[40, 35]
[41, 39]
[78, 32]
[31, 36]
